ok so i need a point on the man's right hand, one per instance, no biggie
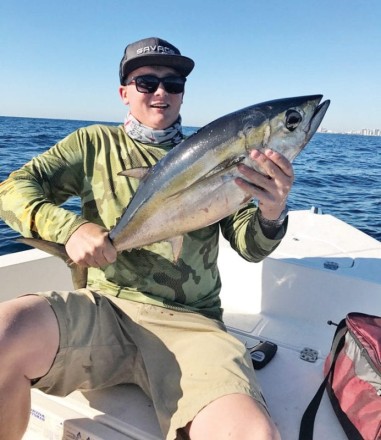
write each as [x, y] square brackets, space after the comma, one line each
[90, 246]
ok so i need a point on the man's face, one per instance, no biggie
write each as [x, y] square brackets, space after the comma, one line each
[157, 110]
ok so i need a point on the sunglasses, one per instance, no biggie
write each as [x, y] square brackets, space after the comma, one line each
[150, 83]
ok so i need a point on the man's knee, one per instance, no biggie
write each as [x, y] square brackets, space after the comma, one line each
[29, 336]
[235, 416]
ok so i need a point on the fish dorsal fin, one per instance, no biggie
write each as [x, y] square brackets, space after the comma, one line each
[138, 173]
[177, 245]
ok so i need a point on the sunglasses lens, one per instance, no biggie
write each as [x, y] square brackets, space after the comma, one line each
[150, 83]
[174, 84]
[147, 83]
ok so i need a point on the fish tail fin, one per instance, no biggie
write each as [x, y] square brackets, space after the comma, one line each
[56, 249]
[78, 273]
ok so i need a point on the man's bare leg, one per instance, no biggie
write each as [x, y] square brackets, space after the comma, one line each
[233, 417]
[29, 340]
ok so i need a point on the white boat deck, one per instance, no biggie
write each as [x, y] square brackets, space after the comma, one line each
[322, 270]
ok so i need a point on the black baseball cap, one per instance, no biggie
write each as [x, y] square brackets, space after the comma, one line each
[153, 52]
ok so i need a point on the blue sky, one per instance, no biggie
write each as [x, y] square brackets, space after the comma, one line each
[60, 59]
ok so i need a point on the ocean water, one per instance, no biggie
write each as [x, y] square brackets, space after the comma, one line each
[341, 174]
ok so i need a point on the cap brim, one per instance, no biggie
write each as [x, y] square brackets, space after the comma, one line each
[183, 65]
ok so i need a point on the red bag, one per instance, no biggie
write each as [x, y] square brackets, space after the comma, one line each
[352, 379]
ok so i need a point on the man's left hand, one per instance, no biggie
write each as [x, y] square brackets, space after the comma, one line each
[271, 190]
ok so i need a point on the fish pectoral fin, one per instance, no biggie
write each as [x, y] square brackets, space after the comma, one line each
[177, 245]
[78, 273]
[138, 173]
[225, 165]
[225, 172]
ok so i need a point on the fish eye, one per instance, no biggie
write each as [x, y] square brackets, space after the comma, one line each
[293, 119]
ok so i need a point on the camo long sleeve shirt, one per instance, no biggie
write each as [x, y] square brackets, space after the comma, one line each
[86, 164]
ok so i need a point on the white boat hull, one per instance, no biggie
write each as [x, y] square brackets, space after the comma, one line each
[323, 269]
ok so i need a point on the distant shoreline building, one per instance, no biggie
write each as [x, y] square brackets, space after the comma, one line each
[362, 132]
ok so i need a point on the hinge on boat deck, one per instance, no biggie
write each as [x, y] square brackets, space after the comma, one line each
[316, 210]
[309, 354]
[331, 265]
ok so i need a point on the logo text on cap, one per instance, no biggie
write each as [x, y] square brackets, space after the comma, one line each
[155, 48]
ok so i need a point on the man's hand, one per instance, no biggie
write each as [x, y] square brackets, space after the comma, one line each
[271, 190]
[89, 246]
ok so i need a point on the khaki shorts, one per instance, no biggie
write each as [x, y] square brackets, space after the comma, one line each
[181, 360]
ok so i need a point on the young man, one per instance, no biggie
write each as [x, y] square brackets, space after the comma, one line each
[141, 319]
